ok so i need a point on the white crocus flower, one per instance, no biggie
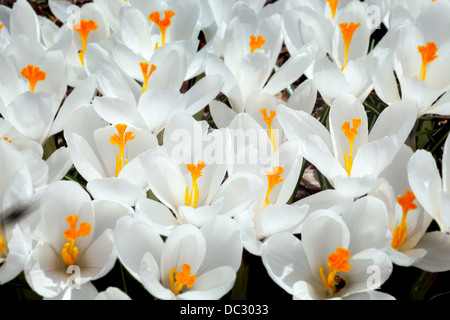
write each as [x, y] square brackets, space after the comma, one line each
[348, 155]
[74, 237]
[187, 174]
[416, 60]
[192, 263]
[332, 259]
[431, 191]
[104, 155]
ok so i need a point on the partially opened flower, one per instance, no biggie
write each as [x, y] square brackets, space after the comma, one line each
[192, 263]
[348, 155]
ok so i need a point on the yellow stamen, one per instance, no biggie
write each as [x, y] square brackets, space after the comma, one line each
[348, 29]
[350, 134]
[406, 201]
[196, 172]
[84, 28]
[121, 140]
[273, 178]
[146, 73]
[256, 42]
[162, 24]
[2, 245]
[7, 139]
[179, 279]
[69, 251]
[428, 54]
[268, 119]
[337, 262]
[333, 5]
[1, 26]
[33, 74]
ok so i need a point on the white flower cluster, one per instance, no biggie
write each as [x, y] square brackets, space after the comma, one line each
[153, 134]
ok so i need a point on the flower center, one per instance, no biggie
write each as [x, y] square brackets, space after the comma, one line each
[180, 279]
[406, 201]
[84, 28]
[33, 74]
[196, 172]
[69, 251]
[146, 73]
[268, 119]
[333, 5]
[273, 178]
[1, 26]
[428, 54]
[337, 262]
[121, 140]
[256, 42]
[348, 29]
[162, 24]
[350, 134]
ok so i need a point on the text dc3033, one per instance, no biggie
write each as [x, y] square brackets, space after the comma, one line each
[227, 309]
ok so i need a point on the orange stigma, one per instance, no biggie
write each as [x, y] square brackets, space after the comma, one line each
[33, 74]
[162, 24]
[256, 42]
[268, 119]
[333, 5]
[406, 201]
[273, 178]
[348, 29]
[337, 262]
[350, 134]
[428, 54]
[146, 73]
[69, 252]
[180, 279]
[196, 172]
[121, 140]
[84, 28]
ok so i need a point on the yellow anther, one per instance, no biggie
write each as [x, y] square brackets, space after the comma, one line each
[180, 279]
[33, 74]
[196, 172]
[162, 24]
[2, 246]
[84, 28]
[1, 26]
[268, 119]
[256, 42]
[337, 262]
[146, 73]
[428, 54]
[69, 251]
[121, 140]
[406, 201]
[333, 5]
[273, 178]
[350, 134]
[348, 29]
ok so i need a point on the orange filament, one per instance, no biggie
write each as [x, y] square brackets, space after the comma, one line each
[69, 252]
[162, 24]
[256, 42]
[2, 245]
[348, 29]
[33, 74]
[337, 262]
[268, 119]
[1, 26]
[196, 172]
[7, 139]
[428, 54]
[406, 201]
[333, 5]
[121, 140]
[180, 279]
[146, 73]
[84, 28]
[273, 178]
[350, 134]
